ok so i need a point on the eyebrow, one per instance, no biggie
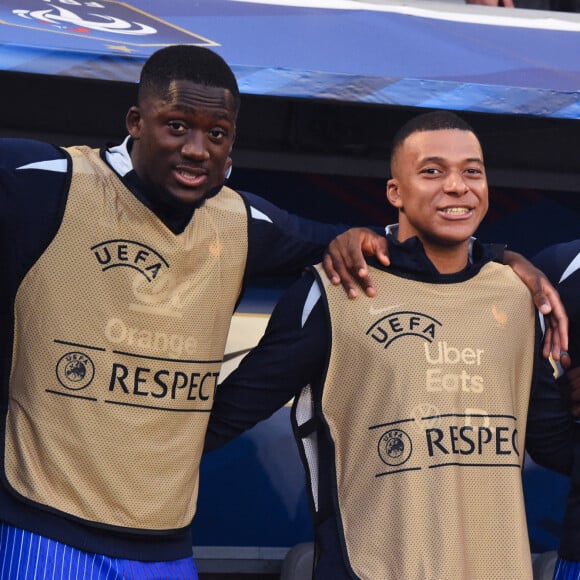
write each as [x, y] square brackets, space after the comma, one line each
[438, 159]
[190, 110]
[184, 107]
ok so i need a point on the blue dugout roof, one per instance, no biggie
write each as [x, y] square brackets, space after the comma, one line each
[424, 54]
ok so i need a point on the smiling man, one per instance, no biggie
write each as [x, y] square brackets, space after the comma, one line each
[410, 409]
[440, 189]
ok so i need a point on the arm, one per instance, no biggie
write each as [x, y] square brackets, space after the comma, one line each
[551, 429]
[33, 189]
[291, 355]
[282, 243]
[570, 385]
[345, 263]
[547, 301]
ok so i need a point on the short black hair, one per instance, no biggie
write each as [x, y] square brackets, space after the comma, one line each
[187, 62]
[431, 121]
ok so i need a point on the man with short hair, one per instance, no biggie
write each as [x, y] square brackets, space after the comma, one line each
[122, 269]
[410, 409]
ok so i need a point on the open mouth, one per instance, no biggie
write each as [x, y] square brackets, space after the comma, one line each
[456, 211]
[190, 177]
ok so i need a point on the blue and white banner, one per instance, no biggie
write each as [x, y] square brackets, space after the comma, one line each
[424, 54]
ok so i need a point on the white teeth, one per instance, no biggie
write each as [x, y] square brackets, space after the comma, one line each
[456, 210]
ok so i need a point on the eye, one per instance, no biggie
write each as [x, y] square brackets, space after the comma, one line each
[430, 171]
[176, 126]
[217, 134]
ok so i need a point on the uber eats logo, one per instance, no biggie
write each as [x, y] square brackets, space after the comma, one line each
[449, 368]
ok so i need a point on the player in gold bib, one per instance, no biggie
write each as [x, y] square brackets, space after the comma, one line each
[410, 409]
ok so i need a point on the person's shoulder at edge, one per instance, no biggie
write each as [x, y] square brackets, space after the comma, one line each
[17, 153]
[560, 248]
[553, 258]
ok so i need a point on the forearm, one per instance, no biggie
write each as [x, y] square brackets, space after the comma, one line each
[551, 429]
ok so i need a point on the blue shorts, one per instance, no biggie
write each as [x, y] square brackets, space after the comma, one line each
[24, 555]
[566, 570]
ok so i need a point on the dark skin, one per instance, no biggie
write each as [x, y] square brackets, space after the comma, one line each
[182, 141]
[440, 189]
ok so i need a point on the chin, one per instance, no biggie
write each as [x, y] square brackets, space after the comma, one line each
[192, 201]
[450, 240]
[189, 199]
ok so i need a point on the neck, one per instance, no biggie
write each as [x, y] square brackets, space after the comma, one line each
[449, 253]
[448, 260]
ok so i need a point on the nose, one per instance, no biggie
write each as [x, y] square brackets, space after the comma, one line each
[194, 146]
[455, 185]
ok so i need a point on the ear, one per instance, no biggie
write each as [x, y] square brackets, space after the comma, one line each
[393, 193]
[228, 168]
[133, 122]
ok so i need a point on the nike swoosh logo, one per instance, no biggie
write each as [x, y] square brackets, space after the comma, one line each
[374, 311]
